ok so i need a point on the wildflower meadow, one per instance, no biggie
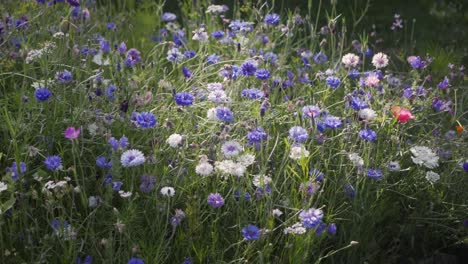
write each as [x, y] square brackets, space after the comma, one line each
[227, 132]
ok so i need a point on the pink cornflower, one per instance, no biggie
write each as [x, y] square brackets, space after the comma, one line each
[71, 133]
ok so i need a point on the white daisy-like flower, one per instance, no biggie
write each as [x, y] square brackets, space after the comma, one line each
[231, 149]
[356, 159]
[211, 114]
[167, 191]
[350, 60]
[424, 156]
[204, 169]
[367, 114]
[432, 176]
[174, 140]
[298, 152]
[3, 187]
[246, 159]
[261, 180]
[218, 96]
[132, 157]
[380, 60]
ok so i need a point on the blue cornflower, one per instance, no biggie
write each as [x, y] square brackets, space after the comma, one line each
[189, 54]
[333, 82]
[179, 37]
[186, 72]
[298, 134]
[320, 229]
[375, 174]
[14, 170]
[353, 74]
[121, 143]
[224, 114]
[262, 74]
[465, 166]
[63, 77]
[53, 162]
[320, 58]
[144, 119]
[217, 34]
[116, 186]
[253, 93]
[248, 68]
[110, 92]
[184, 99]
[272, 19]
[358, 104]
[104, 45]
[311, 217]
[332, 122]
[368, 135]
[167, 17]
[102, 162]
[257, 136]
[42, 94]
[111, 26]
[147, 183]
[213, 59]
[242, 26]
[251, 232]
[136, 260]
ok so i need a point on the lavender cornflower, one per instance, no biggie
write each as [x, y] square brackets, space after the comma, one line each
[133, 57]
[257, 136]
[248, 68]
[358, 104]
[270, 57]
[253, 93]
[375, 174]
[183, 99]
[332, 122]
[311, 217]
[262, 74]
[272, 19]
[174, 55]
[416, 62]
[147, 183]
[53, 162]
[132, 157]
[333, 82]
[168, 17]
[241, 26]
[63, 77]
[224, 114]
[14, 170]
[251, 232]
[144, 119]
[311, 111]
[118, 144]
[368, 135]
[42, 94]
[444, 84]
[215, 200]
[231, 149]
[298, 134]
[353, 74]
[320, 58]
[212, 59]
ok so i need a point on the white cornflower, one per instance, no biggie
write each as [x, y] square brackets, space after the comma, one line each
[298, 152]
[246, 159]
[261, 180]
[215, 86]
[167, 191]
[231, 149]
[424, 156]
[277, 212]
[217, 9]
[380, 60]
[367, 114]
[295, 229]
[211, 114]
[132, 157]
[124, 194]
[356, 159]
[350, 60]
[3, 187]
[229, 167]
[58, 35]
[204, 169]
[432, 176]
[218, 96]
[200, 35]
[174, 140]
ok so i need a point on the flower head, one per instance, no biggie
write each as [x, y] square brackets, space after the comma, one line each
[375, 174]
[53, 162]
[183, 99]
[133, 57]
[215, 200]
[403, 115]
[311, 217]
[272, 19]
[298, 134]
[380, 60]
[132, 158]
[424, 156]
[350, 60]
[144, 119]
[71, 133]
[42, 94]
[368, 135]
[251, 232]
[432, 176]
[231, 149]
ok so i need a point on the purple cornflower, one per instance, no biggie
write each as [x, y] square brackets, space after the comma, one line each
[257, 136]
[104, 45]
[307, 188]
[332, 122]
[332, 229]
[311, 111]
[298, 134]
[253, 93]
[358, 104]
[116, 186]
[135, 261]
[212, 59]
[444, 84]
[272, 19]
[133, 57]
[224, 114]
[189, 54]
[74, 3]
[183, 99]
[320, 229]
[353, 74]
[71, 133]
[63, 77]
[311, 217]
[147, 183]
[144, 119]
[168, 17]
[186, 72]
[320, 58]
[262, 74]
[251, 232]
[441, 105]
[102, 162]
[53, 162]
[465, 166]
[14, 170]
[215, 200]
[248, 68]
[42, 94]
[217, 34]
[333, 82]
[375, 174]
[242, 26]
[110, 92]
[111, 26]
[118, 144]
[368, 135]
[416, 62]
